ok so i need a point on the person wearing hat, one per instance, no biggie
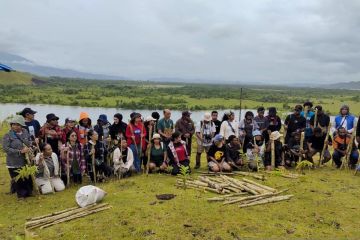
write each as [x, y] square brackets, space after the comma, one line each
[123, 159]
[165, 127]
[345, 119]
[323, 120]
[308, 113]
[158, 154]
[294, 152]
[273, 123]
[177, 154]
[187, 129]
[256, 147]
[229, 126]
[135, 134]
[31, 124]
[84, 127]
[16, 143]
[51, 133]
[102, 128]
[218, 156]
[233, 148]
[69, 126]
[205, 131]
[246, 128]
[294, 122]
[274, 136]
[118, 128]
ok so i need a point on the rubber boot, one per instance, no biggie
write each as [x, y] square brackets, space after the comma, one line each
[198, 157]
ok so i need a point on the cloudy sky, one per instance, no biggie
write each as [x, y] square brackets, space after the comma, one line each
[278, 41]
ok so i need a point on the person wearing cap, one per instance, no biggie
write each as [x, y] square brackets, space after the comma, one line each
[256, 147]
[316, 144]
[118, 128]
[177, 154]
[274, 136]
[187, 129]
[246, 128]
[216, 121]
[294, 152]
[340, 145]
[294, 122]
[84, 127]
[308, 113]
[218, 156]
[158, 154]
[345, 119]
[205, 131]
[123, 159]
[51, 133]
[32, 125]
[165, 127]
[273, 123]
[229, 126]
[233, 148]
[323, 120]
[135, 134]
[16, 143]
[102, 128]
[69, 126]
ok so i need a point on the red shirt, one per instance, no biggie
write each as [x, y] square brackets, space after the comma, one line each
[135, 130]
[181, 152]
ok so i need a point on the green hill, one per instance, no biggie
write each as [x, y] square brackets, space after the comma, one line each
[11, 78]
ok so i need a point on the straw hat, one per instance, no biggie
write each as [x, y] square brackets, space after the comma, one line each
[156, 136]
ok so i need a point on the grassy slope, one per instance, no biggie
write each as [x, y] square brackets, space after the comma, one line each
[11, 78]
[325, 204]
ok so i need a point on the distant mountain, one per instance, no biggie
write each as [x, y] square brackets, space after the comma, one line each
[353, 85]
[22, 64]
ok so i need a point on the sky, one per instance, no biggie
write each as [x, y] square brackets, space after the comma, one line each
[278, 41]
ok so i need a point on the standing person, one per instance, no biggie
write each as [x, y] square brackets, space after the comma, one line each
[96, 148]
[217, 156]
[177, 153]
[340, 144]
[158, 154]
[273, 123]
[51, 133]
[136, 133]
[48, 175]
[278, 151]
[118, 128]
[156, 116]
[16, 144]
[216, 121]
[205, 131]
[294, 122]
[345, 119]
[69, 127]
[308, 113]
[102, 128]
[261, 120]
[73, 151]
[32, 125]
[247, 126]
[123, 159]
[165, 127]
[149, 124]
[233, 149]
[323, 120]
[84, 127]
[358, 133]
[316, 144]
[229, 126]
[187, 129]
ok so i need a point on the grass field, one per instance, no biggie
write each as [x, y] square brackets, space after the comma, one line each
[325, 206]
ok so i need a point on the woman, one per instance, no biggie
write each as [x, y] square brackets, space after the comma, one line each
[158, 155]
[229, 126]
[72, 152]
[218, 156]
[123, 159]
[135, 134]
[48, 175]
[84, 127]
[118, 128]
[177, 153]
[15, 144]
[96, 149]
[247, 126]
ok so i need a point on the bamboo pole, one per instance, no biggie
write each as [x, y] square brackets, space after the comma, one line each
[149, 152]
[302, 138]
[51, 214]
[267, 200]
[272, 154]
[67, 166]
[93, 165]
[325, 145]
[316, 118]
[260, 185]
[248, 198]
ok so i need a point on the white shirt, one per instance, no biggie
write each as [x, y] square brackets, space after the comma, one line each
[226, 131]
[117, 159]
[208, 131]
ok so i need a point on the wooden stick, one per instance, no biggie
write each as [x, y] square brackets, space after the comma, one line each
[267, 200]
[149, 152]
[248, 198]
[260, 185]
[316, 118]
[302, 138]
[325, 145]
[272, 154]
[51, 214]
[67, 166]
[345, 163]
[93, 165]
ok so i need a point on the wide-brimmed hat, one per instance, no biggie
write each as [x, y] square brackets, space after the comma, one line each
[103, 118]
[17, 119]
[275, 135]
[26, 111]
[150, 118]
[51, 116]
[156, 136]
[207, 117]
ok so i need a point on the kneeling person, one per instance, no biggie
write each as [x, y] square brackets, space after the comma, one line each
[217, 156]
[123, 159]
[177, 153]
[158, 155]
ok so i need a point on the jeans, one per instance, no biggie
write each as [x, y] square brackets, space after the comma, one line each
[352, 161]
[137, 160]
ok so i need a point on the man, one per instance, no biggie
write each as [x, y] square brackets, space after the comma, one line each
[261, 120]
[217, 156]
[294, 122]
[307, 114]
[275, 136]
[32, 125]
[214, 119]
[255, 148]
[316, 144]
[205, 131]
[165, 127]
[229, 126]
[323, 120]
[233, 148]
[51, 133]
[187, 129]
[340, 145]
[345, 119]
[294, 151]
[273, 123]
[69, 126]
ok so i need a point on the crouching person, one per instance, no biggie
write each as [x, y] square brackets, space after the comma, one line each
[158, 154]
[316, 144]
[233, 150]
[255, 151]
[340, 145]
[123, 159]
[278, 149]
[217, 156]
[48, 176]
[177, 153]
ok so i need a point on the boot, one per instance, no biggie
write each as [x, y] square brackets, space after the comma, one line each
[197, 165]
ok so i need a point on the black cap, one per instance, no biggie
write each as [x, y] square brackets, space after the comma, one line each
[51, 116]
[26, 111]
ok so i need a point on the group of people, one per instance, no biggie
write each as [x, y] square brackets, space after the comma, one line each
[79, 148]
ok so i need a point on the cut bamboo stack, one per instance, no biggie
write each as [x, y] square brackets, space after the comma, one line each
[244, 192]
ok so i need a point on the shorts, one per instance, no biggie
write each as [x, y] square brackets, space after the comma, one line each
[212, 164]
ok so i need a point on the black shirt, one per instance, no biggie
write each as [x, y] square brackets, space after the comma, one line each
[294, 123]
[217, 153]
[322, 119]
[318, 142]
[273, 123]
[33, 128]
[217, 126]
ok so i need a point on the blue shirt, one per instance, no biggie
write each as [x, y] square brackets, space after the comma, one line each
[308, 130]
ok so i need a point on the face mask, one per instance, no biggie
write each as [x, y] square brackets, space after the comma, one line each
[259, 143]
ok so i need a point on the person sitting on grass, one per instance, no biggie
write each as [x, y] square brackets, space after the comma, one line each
[123, 159]
[218, 156]
[48, 175]
[274, 136]
[316, 144]
[233, 149]
[177, 153]
[340, 146]
[158, 154]
[254, 149]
